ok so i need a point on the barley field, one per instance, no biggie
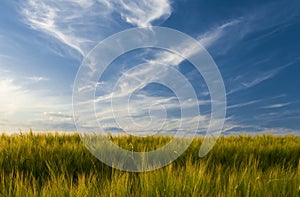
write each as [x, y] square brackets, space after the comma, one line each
[60, 165]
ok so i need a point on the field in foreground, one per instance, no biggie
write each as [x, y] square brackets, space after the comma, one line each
[60, 165]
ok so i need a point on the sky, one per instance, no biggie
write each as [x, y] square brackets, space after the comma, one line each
[255, 45]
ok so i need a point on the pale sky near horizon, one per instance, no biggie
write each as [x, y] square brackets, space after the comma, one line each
[255, 45]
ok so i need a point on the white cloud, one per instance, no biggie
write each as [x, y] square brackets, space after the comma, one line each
[278, 105]
[65, 20]
[232, 127]
[249, 82]
[187, 50]
[36, 79]
[262, 77]
[238, 105]
[209, 38]
[173, 59]
[82, 24]
[244, 104]
[142, 12]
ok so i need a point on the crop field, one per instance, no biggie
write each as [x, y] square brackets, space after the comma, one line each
[60, 165]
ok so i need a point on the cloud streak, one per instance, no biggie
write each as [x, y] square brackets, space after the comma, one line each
[278, 105]
[36, 79]
[211, 37]
[247, 82]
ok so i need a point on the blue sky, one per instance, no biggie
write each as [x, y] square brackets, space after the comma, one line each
[254, 43]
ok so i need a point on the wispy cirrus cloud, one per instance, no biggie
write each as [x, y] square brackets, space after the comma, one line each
[244, 129]
[262, 77]
[36, 79]
[247, 80]
[278, 105]
[206, 39]
[80, 25]
[142, 13]
[65, 20]
[209, 38]
[244, 104]
[252, 102]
